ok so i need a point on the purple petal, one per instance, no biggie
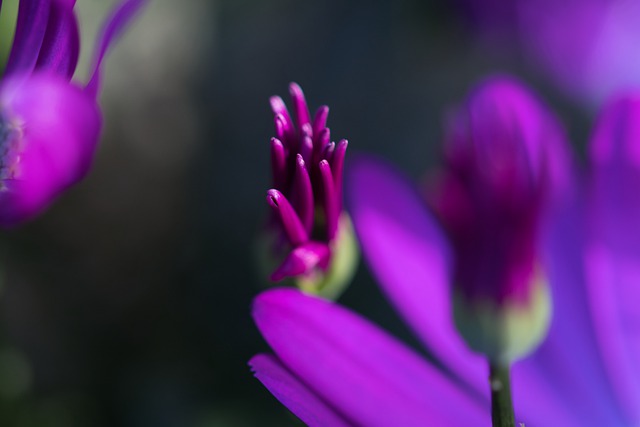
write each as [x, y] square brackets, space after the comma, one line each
[615, 157]
[337, 167]
[294, 394]
[120, 18]
[283, 122]
[299, 105]
[323, 137]
[411, 259]
[613, 254]
[538, 399]
[306, 130]
[306, 148]
[289, 219]
[278, 163]
[303, 260]
[60, 127]
[613, 296]
[329, 199]
[61, 44]
[33, 16]
[281, 130]
[357, 368]
[321, 141]
[327, 153]
[320, 120]
[304, 195]
[569, 358]
[280, 108]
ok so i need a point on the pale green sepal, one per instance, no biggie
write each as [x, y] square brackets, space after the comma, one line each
[505, 332]
[330, 284]
[345, 255]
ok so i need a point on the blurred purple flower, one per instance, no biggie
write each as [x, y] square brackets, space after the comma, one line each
[49, 126]
[312, 231]
[506, 165]
[332, 367]
[611, 257]
[588, 47]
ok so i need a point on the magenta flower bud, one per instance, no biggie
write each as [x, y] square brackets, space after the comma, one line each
[503, 157]
[310, 237]
[49, 126]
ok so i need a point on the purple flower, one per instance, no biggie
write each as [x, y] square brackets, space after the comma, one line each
[310, 236]
[332, 367]
[49, 126]
[588, 47]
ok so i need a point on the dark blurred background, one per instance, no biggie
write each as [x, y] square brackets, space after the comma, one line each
[128, 302]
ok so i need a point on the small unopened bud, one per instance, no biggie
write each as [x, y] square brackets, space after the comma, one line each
[504, 156]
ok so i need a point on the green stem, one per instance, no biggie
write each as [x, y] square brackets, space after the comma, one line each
[501, 404]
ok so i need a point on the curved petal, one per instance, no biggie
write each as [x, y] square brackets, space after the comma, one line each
[289, 219]
[61, 44]
[294, 394]
[538, 401]
[33, 16]
[303, 260]
[411, 259]
[613, 254]
[59, 127]
[357, 368]
[120, 18]
[567, 366]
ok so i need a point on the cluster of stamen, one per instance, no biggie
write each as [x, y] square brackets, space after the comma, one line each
[307, 180]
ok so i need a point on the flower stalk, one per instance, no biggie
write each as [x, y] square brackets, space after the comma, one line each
[501, 403]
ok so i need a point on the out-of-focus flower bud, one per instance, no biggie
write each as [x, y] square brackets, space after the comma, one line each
[504, 157]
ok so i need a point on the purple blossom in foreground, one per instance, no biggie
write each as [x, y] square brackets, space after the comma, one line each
[587, 47]
[333, 367]
[49, 126]
[310, 235]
